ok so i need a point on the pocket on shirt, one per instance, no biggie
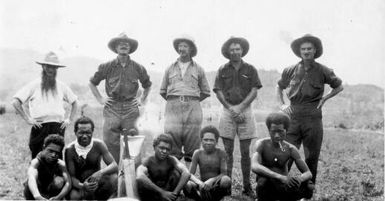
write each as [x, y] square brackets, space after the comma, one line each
[112, 82]
[193, 81]
[173, 77]
[227, 79]
[245, 81]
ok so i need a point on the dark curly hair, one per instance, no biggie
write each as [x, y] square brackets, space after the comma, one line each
[54, 139]
[278, 118]
[210, 129]
[166, 138]
[84, 120]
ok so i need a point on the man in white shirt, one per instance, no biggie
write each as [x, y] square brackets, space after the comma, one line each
[45, 100]
[184, 86]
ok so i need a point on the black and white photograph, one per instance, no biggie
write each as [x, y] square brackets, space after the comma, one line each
[205, 100]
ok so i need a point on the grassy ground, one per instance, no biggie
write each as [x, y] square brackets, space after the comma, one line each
[351, 165]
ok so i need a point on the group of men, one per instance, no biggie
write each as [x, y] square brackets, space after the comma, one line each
[184, 86]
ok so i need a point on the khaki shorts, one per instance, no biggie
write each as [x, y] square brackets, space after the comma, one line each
[228, 128]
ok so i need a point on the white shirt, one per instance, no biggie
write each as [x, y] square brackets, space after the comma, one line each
[183, 66]
[47, 108]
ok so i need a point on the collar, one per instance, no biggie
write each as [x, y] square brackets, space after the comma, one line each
[313, 65]
[116, 61]
[192, 62]
[229, 65]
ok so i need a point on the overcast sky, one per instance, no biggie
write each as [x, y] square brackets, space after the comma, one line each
[352, 31]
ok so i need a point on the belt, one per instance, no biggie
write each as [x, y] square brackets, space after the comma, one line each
[182, 98]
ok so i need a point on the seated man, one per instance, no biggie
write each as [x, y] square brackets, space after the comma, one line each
[83, 156]
[161, 176]
[47, 175]
[270, 163]
[214, 183]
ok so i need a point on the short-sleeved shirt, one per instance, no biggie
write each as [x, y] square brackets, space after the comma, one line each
[307, 87]
[121, 82]
[236, 84]
[85, 167]
[193, 83]
[47, 107]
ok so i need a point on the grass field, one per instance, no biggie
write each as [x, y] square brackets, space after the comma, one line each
[351, 165]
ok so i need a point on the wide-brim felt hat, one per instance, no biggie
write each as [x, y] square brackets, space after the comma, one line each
[188, 40]
[295, 45]
[241, 41]
[51, 59]
[123, 38]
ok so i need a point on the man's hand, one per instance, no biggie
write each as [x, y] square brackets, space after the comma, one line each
[105, 101]
[34, 123]
[292, 182]
[95, 177]
[169, 196]
[90, 186]
[65, 123]
[236, 109]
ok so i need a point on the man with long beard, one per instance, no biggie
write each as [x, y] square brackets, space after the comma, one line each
[45, 99]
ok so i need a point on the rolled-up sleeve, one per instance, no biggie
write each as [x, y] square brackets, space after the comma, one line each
[99, 75]
[144, 78]
[256, 82]
[218, 84]
[284, 81]
[203, 83]
[331, 78]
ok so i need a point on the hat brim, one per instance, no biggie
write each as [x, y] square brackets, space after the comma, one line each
[115, 41]
[51, 64]
[194, 49]
[295, 45]
[242, 41]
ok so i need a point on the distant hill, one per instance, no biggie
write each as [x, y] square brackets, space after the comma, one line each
[358, 106]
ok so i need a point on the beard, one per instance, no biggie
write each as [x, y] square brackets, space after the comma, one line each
[48, 83]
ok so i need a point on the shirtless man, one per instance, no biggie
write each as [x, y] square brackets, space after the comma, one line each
[83, 157]
[48, 178]
[270, 163]
[214, 183]
[161, 176]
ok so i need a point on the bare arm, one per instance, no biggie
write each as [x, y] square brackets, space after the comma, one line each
[329, 95]
[146, 92]
[193, 167]
[279, 95]
[142, 175]
[68, 120]
[222, 99]
[25, 115]
[185, 175]
[301, 165]
[32, 180]
[67, 183]
[112, 166]
[71, 170]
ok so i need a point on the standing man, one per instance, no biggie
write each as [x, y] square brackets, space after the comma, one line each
[304, 82]
[121, 77]
[45, 98]
[236, 86]
[184, 85]
[89, 180]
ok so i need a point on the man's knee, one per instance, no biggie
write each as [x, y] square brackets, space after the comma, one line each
[225, 182]
[189, 187]
[75, 195]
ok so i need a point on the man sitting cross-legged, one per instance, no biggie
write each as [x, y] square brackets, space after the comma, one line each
[214, 183]
[47, 175]
[161, 176]
[270, 163]
[83, 157]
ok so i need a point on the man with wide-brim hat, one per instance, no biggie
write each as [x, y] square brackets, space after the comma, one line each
[45, 98]
[184, 86]
[121, 106]
[236, 86]
[304, 83]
